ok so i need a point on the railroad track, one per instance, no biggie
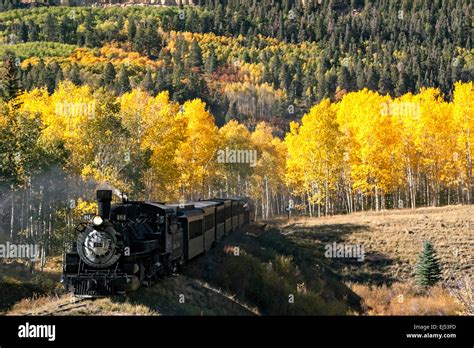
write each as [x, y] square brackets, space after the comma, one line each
[62, 307]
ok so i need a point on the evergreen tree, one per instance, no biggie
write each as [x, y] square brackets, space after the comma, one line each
[90, 39]
[343, 78]
[132, 29]
[285, 78]
[385, 83]
[403, 84]
[147, 83]
[321, 87]
[123, 81]
[50, 76]
[109, 74]
[50, 28]
[360, 75]
[23, 32]
[75, 76]
[372, 79]
[196, 54]
[152, 40]
[138, 43]
[428, 269]
[159, 84]
[211, 63]
[9, 77]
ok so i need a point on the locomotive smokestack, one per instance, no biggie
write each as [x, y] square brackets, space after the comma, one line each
[104, 198]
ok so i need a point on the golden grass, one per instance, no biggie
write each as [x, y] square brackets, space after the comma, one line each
[407, 299]
[398, 235]
[69, 305]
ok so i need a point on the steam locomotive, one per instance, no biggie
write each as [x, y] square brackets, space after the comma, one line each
[133, 243]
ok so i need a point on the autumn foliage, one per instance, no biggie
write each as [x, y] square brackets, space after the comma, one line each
[366, 151]
[371, 151]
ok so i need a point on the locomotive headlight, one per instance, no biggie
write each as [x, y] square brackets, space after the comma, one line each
[97, 220]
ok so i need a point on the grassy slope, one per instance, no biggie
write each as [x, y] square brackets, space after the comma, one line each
[386, 279]
[393, 240]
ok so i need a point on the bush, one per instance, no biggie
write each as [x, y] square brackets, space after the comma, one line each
[270, 285]
[407, 299]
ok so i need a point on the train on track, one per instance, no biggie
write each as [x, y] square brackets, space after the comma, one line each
[133, 243]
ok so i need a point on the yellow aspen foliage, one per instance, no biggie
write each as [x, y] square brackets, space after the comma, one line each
[234, 136]
[83, 207]
[63, 115]
[268, 174]
[195, 156]
[435, 139]
[371, 141]
[314, 154]
[160, 130]
[463, 113]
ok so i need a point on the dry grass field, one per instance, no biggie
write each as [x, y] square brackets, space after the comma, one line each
[392, 241]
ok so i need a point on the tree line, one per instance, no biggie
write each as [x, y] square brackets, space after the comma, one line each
[342, 46]
[365, 152]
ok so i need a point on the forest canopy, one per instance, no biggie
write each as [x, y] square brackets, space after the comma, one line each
[240, 56]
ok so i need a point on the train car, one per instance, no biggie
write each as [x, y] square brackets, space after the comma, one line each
[238, 211]
[249, 211]
[241, 212]
[219, 214]
[209, 216]
[192, 223]
[235, 214]
[227, 203]
[220, 220]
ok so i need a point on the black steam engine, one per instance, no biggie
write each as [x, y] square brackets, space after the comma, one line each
[133, 243]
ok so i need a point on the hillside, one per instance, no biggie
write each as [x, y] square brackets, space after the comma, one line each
[275, 57]
[392, 242]
[281, 258]
[268, 271]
